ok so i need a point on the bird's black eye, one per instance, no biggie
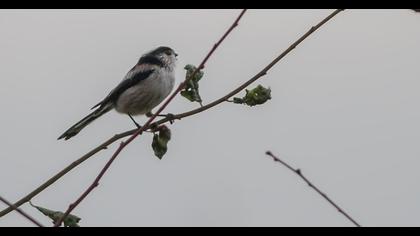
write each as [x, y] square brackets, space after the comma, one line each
[168, 53]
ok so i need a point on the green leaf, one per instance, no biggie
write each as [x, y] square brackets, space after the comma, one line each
[160, 141]
[69, 221]
[256, 96]
[191, 89]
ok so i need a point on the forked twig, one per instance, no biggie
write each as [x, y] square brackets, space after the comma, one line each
[116, 137]
[147, 124]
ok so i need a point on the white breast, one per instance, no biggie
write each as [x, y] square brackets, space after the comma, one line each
[147, 94]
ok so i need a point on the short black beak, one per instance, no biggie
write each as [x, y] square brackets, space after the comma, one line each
[176, 54]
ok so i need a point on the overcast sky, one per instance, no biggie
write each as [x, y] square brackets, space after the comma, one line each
[344, 109]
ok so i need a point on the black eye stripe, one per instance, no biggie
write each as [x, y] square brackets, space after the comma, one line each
[149, 59]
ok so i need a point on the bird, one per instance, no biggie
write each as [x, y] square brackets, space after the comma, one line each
[144, 87]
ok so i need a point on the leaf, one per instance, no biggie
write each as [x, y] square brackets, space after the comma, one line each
[69, 221]
[191, 91]
[160, 141]
[256, 96]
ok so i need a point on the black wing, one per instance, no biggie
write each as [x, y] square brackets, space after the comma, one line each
[132, 80]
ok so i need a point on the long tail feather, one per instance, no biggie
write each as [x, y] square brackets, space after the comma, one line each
[75, 129]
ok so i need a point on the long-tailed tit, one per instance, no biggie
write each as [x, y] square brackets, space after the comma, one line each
[146, 85]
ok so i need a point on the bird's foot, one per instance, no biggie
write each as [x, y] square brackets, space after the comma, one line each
[171, 117]
[134, 121]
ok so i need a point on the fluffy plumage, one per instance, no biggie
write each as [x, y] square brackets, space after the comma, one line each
[146, 85]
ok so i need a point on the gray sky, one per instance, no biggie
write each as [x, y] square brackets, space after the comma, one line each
[344, 110]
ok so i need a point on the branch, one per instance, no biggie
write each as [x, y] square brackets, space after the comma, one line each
[147, 124]
[24, 214]
[105, 144]
[299, 173]
[60, 174]
[257, 76]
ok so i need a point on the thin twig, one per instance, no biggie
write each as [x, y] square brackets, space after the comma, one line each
[116, 137]
[258, 75]
[143, 128]
[299, 173]
[60, 174]
[24, 214]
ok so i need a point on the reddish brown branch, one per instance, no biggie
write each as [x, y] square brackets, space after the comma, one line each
[164, 120]
[24, 214]
[147, 124]
[299, 173]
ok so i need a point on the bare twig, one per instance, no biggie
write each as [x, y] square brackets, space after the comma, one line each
[60, 174]
[105, 144]
[299, 173]
[24, 214]
[143, 128]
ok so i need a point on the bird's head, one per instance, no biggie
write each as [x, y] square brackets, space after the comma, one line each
[161, 56]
